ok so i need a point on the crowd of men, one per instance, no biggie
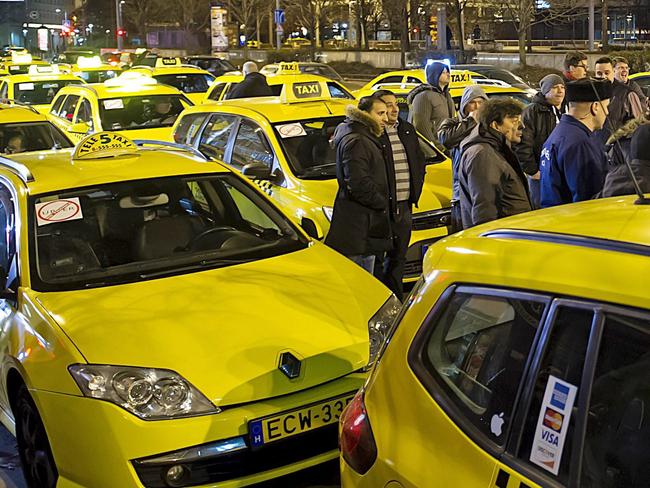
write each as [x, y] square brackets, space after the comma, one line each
[574, 142]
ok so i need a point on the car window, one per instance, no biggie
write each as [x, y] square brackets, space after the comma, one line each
[217, 90]
[35, 136]
[140, 112]
[8, 261]
[68, 108]
[144, 229]
[97, 76]
[56, 106]
[187, 83]
[188, 127]
[214, 138]
[85, 113]
[414, 80]
[40, 93]
[308, 146]
[477, 352]
[560, 373]
[618, 428]
[251, 146]
[4, 90]
[390, 79]
[337, 91]
[431, 154]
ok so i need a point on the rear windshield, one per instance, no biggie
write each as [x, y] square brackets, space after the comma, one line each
[97, 76]
[137, 230]
[187, 83]
[141, 112]
[40, 92]
[38, 136]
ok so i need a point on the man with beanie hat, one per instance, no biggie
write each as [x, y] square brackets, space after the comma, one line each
[539, 118]
[573, 164]
[452, 132]
[618, 180]
[430, 103]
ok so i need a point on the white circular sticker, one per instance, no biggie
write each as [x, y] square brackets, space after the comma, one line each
[58, 211]
[291, 130]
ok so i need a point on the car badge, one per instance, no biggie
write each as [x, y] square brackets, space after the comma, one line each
[290, 365]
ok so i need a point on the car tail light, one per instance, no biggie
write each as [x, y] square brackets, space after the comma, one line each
[357, 442]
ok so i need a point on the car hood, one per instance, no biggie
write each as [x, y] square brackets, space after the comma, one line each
[158, 134]
[224, 329]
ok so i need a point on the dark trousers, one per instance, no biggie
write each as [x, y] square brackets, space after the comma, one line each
[395, 259]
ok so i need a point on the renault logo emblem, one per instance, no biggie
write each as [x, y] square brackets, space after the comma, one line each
[289, 365]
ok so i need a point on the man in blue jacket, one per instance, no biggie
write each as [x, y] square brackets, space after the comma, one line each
[573, 163]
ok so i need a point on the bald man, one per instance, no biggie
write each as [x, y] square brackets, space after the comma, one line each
[253, 85]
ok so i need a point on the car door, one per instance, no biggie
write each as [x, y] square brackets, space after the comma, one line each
[64, 113]
[83, 115]
[4, 89]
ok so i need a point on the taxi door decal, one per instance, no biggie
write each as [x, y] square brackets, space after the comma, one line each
[265, 185]
[506, 480]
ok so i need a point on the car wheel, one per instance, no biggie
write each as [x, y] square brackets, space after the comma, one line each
[36, 457]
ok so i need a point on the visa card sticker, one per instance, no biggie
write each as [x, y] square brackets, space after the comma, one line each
[113, 104]
[553, 424]
[58, 211]
[291, 130]
[25, 86]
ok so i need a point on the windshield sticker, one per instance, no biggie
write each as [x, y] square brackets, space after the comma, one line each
[58, 211]
[291, 130]
[553, 424]
[25, 86]
[114, 104]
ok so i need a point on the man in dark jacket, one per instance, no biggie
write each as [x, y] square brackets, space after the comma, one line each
[575, 66]
[405, 171]
[452, 132]
[492, 184]
[253, 85]
[539, 118]
[573, 163]
[430, 103]
[360, 227]
[622, 73]
[618, 180]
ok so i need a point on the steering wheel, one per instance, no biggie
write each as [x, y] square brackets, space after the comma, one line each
[197, 242]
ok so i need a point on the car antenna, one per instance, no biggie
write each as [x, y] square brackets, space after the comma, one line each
[641, 200]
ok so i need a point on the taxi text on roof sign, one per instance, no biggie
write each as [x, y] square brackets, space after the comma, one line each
[289, 69]
[43, 70]
[162, 62]
[460, 77]
[92, 146]
[304, 91]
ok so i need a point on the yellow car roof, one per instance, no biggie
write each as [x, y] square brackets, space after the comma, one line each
[458, 77]
[169, 70]
[10, 113]
[454, 91]
[55, 170]
[41, 77]
[638, 75]
[279, 79]
[103, 90]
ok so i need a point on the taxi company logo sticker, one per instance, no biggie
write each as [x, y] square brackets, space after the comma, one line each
[58, 211]
[552, 424]
[291, 130]
[101, 141]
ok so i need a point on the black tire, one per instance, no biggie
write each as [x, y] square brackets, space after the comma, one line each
[34, 449]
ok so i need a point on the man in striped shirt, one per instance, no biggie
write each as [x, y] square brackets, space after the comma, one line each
[405, 171]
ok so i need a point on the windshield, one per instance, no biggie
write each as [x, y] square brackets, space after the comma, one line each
[38, 136]
[187, 83]
[140, 112]
[40, 92]
[137, 230]
[99, 76]
[309, 146]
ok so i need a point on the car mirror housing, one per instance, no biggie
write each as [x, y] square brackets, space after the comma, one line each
[257, 170]
[79, 128]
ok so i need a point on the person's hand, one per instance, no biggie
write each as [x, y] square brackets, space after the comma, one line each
[474, 114]
[536, 176]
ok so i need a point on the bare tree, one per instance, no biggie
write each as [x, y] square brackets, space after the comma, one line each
[398, 13]
[142, 12]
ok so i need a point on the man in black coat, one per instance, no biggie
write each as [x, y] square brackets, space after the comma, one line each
[360, 227]
[253, 85]
[539, 118]
[405, 169]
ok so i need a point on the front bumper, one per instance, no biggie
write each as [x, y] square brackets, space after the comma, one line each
[99, 445]
[426, 229]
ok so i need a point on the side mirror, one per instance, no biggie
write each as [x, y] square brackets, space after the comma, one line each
[257, 170]
[311, 228]
[79, 128]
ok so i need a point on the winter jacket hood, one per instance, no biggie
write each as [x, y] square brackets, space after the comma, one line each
[470, 93]
[628, 129]
[433, 70]
[357, 119]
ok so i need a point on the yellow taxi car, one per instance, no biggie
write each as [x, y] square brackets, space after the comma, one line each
[18, 63]
[402, 82]
[22, 128]
[285, 74]
[131, 104]
[284, 143]
[159, 317]
[191, 80]
[92, 70]
[304, 67]
[642, 79]
[523, 352]
[38, 87]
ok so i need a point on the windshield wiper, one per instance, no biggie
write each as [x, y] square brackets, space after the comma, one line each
[201, 264]
[321, 169]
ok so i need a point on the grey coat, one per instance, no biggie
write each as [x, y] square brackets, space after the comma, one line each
[492, 184]
[428, 107]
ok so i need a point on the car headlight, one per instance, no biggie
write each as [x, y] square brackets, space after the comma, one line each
[380, 324]
[328, 211]
[148, 393]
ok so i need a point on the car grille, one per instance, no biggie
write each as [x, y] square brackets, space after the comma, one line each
[245, 462]
[431, 220]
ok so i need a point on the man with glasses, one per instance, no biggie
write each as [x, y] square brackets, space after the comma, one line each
[575, 66]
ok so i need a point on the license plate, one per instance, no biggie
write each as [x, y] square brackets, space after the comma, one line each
[277, 427]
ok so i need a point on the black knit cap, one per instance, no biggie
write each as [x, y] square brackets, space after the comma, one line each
[640, 143]
[588, 90]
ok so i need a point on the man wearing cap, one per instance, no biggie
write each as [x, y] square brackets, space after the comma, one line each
[539, 118]
[573, 163]
[452, 132]
[430, 103]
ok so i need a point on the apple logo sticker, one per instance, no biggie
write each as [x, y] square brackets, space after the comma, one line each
[496, 425]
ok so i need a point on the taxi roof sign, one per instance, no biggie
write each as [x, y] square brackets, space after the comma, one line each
[102, 145]
[166, 62]
[36, 69]
[130, 78]
[285, 68]
[21, 57]
[305, 91]
[460, 77]
[89, 62]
